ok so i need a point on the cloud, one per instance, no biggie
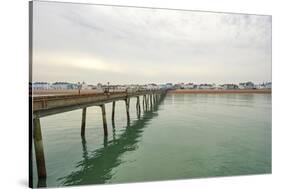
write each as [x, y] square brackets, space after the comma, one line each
[150, 45]
[79, 21]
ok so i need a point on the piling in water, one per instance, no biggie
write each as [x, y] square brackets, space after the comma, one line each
[138, 106]
[104, 119]
[83, 123]
[127, 103]
[39, 151]
[143, 103]
[113, 111]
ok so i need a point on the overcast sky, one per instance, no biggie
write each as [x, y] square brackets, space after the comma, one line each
[120, 45]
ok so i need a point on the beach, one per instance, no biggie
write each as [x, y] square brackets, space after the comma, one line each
[218, 91]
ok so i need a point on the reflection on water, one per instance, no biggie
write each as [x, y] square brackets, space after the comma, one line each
[95, 166]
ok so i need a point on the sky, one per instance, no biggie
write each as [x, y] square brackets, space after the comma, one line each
[128, 45]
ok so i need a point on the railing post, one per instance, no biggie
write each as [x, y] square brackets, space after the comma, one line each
[39, 150]
[83, 123]
[104, 119]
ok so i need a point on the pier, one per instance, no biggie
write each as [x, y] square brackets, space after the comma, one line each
[43, 106]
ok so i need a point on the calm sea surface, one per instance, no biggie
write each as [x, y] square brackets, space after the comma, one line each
[185, 136]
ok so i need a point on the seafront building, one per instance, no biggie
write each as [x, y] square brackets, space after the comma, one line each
[264, 85]
[64, 86]
[230, 86]
[41, 86]
[247, 85]
[151, 86]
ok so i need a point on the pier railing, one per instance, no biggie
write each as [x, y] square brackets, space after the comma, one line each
[49, 105]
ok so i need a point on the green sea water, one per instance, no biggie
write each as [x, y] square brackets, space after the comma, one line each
[185, 136]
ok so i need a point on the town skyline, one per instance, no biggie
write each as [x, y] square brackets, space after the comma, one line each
[132, 83]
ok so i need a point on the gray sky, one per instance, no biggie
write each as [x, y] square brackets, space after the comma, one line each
[91, 43]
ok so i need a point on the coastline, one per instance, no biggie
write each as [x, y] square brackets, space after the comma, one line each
[219, 91]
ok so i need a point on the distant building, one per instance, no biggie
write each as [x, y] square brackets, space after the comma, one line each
[189, 86]
[151, 86]
[62, 86]
[84, 86]
[179, 86]
[230, 86]
[219, 87]
[266, 85]
[247, 85]
[165, 86]
[73, 86]
[162, 86]
[99, 85]
[40, 86]
[91, 87]
[121, 87]
[205, 86]
[169, 85]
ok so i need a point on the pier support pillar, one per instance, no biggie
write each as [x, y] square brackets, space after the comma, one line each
[143, 102]
[138, 106]
[146, 101]
[113, 111]
[127, 102]
[104, 120]
[151, 101]
[83, 123]
[39, 151]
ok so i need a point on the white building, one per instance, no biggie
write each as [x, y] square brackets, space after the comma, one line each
[205, 86]
[40, 86]
[247, 85]
[151, 86]
[85, 86]
[61, 86]
[189, 86]
[230, 86]
[169, 85]
[266, 85]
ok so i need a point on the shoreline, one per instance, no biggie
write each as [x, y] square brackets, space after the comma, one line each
[220, 91]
